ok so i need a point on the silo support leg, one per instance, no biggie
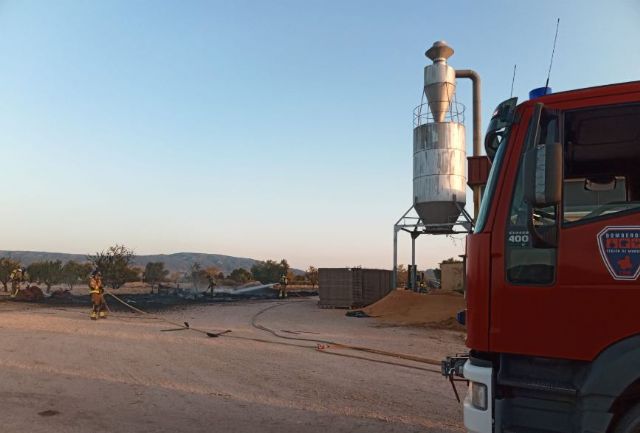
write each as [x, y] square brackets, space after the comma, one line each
[394, 282]
[413, 263]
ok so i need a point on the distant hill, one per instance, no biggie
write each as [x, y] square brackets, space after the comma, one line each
[177, 262]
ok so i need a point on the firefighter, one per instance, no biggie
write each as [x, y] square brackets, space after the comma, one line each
[17, 277]
[283, 286]
[423, 286]
[212, 283]
[97, 296]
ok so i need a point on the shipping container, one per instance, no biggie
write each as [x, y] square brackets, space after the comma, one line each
[352, 287]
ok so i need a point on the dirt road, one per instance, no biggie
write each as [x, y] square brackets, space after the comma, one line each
[61, 372]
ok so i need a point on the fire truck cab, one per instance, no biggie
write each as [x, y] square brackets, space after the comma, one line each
[552, 267]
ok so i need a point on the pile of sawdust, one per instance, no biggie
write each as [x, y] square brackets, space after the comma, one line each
[403, 307]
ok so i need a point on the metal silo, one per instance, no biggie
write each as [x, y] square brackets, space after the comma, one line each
[439, 150]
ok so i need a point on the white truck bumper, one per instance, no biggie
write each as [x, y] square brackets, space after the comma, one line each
[478, 404]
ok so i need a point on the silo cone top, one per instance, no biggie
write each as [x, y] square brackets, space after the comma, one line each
[439, 80]
[439, 52]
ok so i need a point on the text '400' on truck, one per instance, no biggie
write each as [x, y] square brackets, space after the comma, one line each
[552, 267]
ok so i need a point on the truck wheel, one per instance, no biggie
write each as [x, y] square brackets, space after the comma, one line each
[630, 422]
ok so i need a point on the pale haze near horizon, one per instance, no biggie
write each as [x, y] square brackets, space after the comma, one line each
[258, 129]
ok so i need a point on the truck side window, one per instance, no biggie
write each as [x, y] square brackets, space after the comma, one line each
[585, 199]
[601, 157]
[524, 263]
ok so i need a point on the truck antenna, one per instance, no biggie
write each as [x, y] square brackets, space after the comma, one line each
[513, 79]
[555, 39]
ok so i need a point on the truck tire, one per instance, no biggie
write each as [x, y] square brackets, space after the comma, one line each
[630, 422]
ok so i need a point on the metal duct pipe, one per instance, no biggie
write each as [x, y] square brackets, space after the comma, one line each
[477, 126]
[477, 115]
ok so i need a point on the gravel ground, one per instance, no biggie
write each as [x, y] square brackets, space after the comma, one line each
[61, 372]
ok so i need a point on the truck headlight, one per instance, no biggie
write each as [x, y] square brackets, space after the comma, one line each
[478, 393]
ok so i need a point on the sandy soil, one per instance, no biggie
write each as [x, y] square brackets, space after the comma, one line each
[61, 372]
[403, 307]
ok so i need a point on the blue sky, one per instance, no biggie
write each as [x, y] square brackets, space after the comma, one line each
[263, 129]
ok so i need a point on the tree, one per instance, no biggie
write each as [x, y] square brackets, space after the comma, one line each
[198, 276]
[213, 271]
[176, 277]
[47, 272]
[29, 277]
[7, 265]
[240, 275]
[402, 276]
[155, 273]
[114, 265]
[269, 271]
[74, 273]
[134, 274]
[312, 276]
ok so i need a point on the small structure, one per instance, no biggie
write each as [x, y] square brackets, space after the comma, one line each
[452, 276]
[352, 287]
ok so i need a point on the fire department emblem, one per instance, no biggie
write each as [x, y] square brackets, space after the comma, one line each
[620, 250]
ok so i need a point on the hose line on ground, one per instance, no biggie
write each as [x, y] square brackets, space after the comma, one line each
[185, 325]
[338, 345]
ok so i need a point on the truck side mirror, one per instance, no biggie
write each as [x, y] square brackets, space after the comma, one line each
[543, 174]
[543, 166]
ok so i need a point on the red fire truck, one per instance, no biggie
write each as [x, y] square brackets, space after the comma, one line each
[552, 267]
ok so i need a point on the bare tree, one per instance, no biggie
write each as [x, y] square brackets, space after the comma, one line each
[114, 264]
[312, 276]
[198, 276]
[403, 276]
[155, 273]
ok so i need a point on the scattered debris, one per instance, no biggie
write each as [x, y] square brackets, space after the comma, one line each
[61, 294]
[179, 297]
[185, 325]
[357, 313]
[30, 294]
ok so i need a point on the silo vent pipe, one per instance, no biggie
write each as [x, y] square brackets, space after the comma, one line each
[477, 115]
[477, 126]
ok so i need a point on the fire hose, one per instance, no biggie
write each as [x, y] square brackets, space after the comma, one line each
[321, 345]
[321, 342]
[183, 325]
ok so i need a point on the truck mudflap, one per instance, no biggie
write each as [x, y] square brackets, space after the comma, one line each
[478, 404]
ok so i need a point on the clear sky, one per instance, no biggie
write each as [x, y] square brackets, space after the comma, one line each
[265, 129]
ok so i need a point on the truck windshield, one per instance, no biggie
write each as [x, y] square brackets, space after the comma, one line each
[495, 144]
